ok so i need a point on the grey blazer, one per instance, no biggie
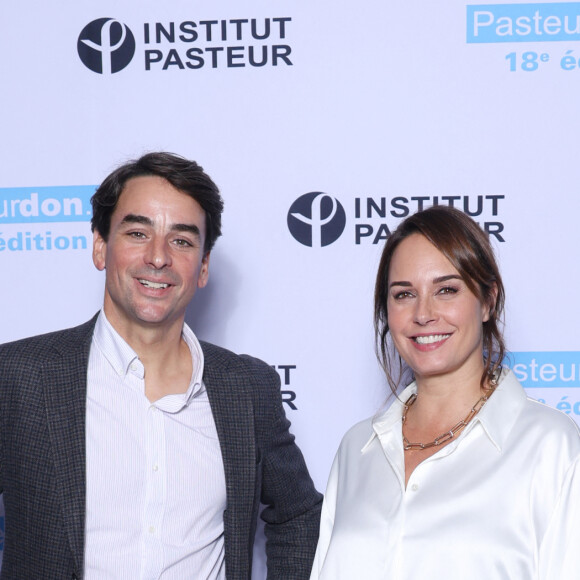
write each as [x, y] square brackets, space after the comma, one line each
[42, 460]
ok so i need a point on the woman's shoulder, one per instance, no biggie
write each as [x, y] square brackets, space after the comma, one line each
[548, 431]
[552, 421]
[357, 436]
[537, 415]
[378, 426]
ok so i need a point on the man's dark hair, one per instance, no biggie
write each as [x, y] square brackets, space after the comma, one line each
[185, 175]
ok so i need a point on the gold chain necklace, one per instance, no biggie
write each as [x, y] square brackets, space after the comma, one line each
[407, 445]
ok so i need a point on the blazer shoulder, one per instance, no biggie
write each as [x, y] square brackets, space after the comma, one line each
[42, 346]
[226, 361]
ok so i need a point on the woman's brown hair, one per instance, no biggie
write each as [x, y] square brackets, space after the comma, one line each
[467, 247]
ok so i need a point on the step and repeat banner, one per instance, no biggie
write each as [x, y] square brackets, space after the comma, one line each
[324, 125]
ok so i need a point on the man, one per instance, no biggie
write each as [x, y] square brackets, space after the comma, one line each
[128, 449]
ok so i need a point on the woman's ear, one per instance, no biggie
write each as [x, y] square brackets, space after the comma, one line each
[489, 305]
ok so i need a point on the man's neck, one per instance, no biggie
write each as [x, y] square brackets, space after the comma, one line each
[163, 352]
[149, 340]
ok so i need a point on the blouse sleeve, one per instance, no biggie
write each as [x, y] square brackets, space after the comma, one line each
[558, 556]
[326, 519]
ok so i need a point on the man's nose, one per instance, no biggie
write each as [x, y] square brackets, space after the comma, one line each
[158, 254]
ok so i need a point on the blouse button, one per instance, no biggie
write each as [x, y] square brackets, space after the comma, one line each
[414, 487]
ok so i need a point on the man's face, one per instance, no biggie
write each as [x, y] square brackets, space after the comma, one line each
[154, 257]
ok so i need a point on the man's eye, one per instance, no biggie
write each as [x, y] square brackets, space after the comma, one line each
[181, 242]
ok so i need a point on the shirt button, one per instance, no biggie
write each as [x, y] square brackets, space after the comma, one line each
[151, 529]
[155, 467]
[414, 487]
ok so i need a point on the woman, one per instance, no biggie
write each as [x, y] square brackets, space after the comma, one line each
[463, 476]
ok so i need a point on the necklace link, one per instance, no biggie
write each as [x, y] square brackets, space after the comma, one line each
[407, 445]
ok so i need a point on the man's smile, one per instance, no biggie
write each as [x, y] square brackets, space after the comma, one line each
[151, 284]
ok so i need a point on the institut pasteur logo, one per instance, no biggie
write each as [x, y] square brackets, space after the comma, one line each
[106, 46]
[316, 219]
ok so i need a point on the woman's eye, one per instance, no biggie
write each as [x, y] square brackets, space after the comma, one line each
[448, 290]
[402, 295]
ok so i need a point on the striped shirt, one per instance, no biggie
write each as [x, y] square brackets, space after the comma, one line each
[155, 478]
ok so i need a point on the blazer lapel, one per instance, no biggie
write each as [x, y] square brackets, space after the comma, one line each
[64, 381]
[232, 409]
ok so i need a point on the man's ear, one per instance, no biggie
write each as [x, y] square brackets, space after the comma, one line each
[204, 272]
[99, 251]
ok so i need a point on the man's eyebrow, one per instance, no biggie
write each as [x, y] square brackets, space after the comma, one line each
[190, 228]
[131, 218]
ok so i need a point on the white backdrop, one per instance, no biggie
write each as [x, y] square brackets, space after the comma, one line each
[378, 108]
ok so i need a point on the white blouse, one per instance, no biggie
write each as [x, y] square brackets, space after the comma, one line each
[502, 501]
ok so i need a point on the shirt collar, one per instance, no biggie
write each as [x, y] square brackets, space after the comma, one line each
[123, 359]
[117, 352]
[497, 417]
[386, 421]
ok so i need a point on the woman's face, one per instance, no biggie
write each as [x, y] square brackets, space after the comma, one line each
[434, 319]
